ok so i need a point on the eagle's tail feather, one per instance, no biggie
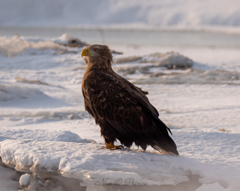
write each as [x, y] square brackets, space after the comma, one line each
[167, 148]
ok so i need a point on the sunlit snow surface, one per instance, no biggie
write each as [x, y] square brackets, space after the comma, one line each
[44, 127]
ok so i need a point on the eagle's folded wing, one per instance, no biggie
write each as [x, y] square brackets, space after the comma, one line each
[127, 110]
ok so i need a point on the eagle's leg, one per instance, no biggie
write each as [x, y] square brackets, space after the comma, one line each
[110, 135]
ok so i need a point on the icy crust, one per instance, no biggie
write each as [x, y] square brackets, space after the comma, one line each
[92, 164]
[50, 154]
[88, 162]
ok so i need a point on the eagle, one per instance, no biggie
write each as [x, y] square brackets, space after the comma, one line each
[121, 109]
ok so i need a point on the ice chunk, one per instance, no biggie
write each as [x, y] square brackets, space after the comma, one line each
[24, 179]
[67, 40]
[169, 60]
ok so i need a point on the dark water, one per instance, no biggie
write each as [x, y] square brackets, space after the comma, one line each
[133, 37]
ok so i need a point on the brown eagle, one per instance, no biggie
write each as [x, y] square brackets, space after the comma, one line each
[121, 109]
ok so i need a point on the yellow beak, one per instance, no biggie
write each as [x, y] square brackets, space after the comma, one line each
[85, 52]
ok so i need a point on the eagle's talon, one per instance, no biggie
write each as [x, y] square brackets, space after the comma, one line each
[111, 146]
[120, 147]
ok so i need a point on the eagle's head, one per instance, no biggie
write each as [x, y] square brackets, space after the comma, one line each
[98, 56]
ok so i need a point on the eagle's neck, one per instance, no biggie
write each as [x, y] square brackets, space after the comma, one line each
[95, 66]
[100, 64]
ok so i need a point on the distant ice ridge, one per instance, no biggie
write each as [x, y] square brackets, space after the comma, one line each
[15, 45]
[170, 68]
[135, 13]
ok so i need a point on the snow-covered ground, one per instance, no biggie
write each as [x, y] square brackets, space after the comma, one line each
[45, 130]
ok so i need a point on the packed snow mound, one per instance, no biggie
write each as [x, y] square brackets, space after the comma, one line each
[93, 165]
[136, 13]
[15, 45]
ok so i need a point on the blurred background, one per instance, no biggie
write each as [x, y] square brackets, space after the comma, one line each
[211, 23]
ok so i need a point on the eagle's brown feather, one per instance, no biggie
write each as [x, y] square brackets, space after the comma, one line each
[120, 108]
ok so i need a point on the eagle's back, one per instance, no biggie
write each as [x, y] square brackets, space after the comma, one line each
[107, 96]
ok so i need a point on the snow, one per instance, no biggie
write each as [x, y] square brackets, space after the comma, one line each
[46, 133]
[10, 92]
